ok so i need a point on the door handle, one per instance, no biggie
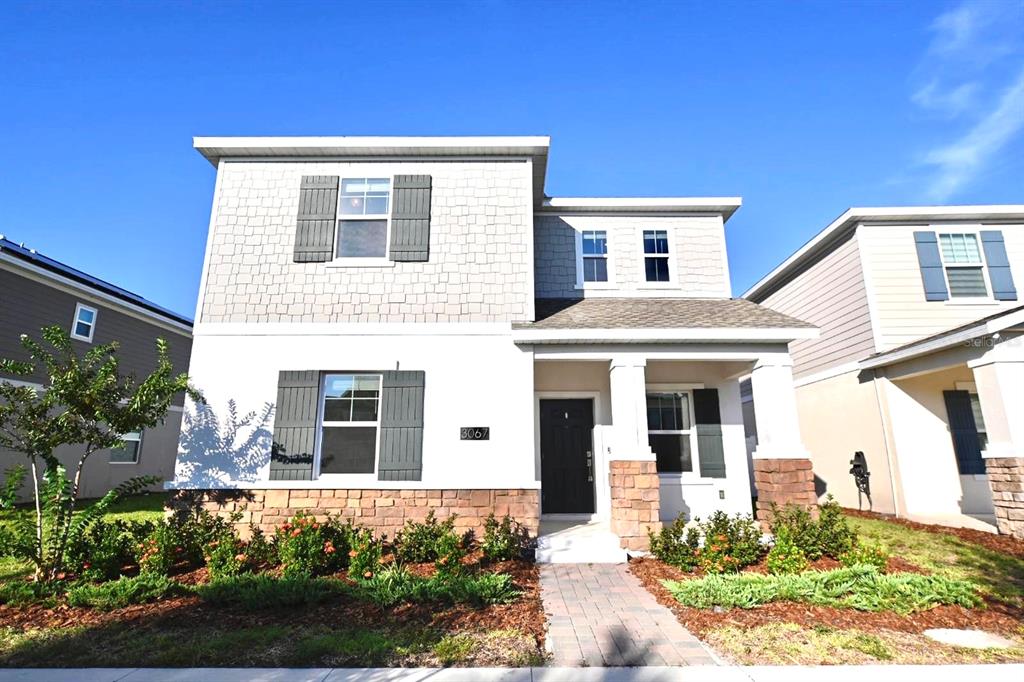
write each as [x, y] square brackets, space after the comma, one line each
[590, 467]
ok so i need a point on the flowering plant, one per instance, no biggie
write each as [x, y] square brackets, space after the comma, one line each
[310, 547]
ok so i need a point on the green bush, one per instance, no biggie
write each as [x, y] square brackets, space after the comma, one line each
[395, 585]
[364, 554]
[451, 550]
[504, 540]
[225, 556]
[419, 542]
[860, 587]
[106, 548]
[260, 551]
[181, 539]
[258, 591]
[785, 557]
[123, 592]
[730, 543]
[308, 547]
[161, 551]
[17, 592]
[829, 535]
[677, 544]
[865, 554]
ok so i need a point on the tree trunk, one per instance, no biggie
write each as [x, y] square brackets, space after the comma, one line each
[66, 521]
[39, 521]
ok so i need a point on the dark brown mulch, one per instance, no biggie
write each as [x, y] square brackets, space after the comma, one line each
[997, 617]
[1005, 544]
[525, 615]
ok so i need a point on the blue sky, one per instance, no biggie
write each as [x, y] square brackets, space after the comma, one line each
[802, 108]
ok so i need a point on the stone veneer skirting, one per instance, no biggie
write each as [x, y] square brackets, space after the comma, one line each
[782, 482]
[636, 502]
[1006, 478]
[384, 511]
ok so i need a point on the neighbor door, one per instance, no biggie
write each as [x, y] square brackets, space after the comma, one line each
[567, 456]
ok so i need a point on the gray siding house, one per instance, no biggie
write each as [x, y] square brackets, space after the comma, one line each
[35, 292]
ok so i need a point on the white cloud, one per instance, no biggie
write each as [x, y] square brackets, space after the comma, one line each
[952, 101]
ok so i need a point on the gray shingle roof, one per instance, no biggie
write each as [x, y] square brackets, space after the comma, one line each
[656, 313]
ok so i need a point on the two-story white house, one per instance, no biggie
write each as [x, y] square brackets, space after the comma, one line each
[920, 361]
[415, 325]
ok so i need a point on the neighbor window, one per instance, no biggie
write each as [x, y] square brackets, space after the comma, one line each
[656, 255]
[965, 269]
[84, 324]
[349, 423]
[363, 228]
[594, 245]
[129, 454]
[670, 431]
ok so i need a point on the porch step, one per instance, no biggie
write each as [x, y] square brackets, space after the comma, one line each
[585, 543]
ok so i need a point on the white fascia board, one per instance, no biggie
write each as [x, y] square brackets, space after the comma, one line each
[330, 484]
[725, 206]
[999, 324]
[353, 329]
[854, 216]
[74, 288]
[671, 335]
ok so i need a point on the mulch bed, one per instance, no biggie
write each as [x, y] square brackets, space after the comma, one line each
[997, 617]
[525, 615]
[1004, 544]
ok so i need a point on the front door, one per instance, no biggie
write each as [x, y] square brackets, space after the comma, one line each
[566, 456]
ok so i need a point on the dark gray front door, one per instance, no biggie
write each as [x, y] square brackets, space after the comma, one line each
[566, 456]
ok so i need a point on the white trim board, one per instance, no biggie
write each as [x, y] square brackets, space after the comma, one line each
[664, 335]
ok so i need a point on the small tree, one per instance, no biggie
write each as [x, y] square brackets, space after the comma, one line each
[87, 402]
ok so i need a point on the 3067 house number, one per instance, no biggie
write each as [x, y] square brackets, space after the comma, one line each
[475, 433]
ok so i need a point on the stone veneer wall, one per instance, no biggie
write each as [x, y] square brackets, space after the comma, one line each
[385, 511]
[783, 481]
[636, 502]
[1006, 477]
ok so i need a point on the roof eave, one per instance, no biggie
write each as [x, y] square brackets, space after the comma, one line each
[529, 335]
[724, 206]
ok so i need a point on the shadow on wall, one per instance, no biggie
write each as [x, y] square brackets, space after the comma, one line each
[214, 451]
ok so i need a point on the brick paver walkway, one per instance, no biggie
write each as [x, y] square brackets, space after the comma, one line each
[600, 615]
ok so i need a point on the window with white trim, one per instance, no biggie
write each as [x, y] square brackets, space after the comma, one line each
[964, 264]
[656, 266]
[979, 421]
[129, 453]
[670, 431]
[84, 324]
[349, 423]
[594, 255]
[364, 210]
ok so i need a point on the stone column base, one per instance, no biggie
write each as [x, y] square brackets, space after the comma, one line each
[636, 502]
[782, 482]
[1006, 478]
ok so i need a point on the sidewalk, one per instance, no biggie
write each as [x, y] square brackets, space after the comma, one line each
[850, 673]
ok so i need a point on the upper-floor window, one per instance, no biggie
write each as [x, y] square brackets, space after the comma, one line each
[364, 209]
[84, 324]
[656, 265]
[595, 255]
[349, 423]
[129, 454]
[964, 264]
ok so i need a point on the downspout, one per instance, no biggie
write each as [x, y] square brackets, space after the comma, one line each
[885, 441]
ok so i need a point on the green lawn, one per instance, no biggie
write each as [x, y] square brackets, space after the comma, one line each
[997, 574]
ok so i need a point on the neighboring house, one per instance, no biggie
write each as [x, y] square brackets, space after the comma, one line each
[407, 324]
[920, 362]
[37, 292]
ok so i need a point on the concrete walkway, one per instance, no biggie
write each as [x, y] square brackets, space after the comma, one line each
[600, 615]
[838, 673]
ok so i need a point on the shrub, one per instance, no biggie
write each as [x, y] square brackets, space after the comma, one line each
[677, 544]
[181, 538]
[730, 543]
[309, 547]
[504, 540]
[17, 592]
[257, 591]
[159, 553]
[419, 542]
[835, 537]
[860, 587]
[225, 556]
[259, 550]
[451, 550]
[106, 548]
[865, 554]
[785, 556]
[364, 553]
[829, 535]
[123, 592]
[395, 585]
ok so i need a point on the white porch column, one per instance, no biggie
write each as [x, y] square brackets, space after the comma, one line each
[629, 409]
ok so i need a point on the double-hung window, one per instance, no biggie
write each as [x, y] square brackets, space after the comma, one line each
[979, 421]
[84, 324]
[670, 431]
[656, 266]
[594, 255]
[964, 264]
[129, 454]
[350, 423]
[364, 205]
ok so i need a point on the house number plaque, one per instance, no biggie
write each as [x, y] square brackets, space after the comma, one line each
[475, 433]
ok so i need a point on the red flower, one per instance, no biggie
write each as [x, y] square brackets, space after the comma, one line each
[296, 533]
[368, 575]
[353, 554]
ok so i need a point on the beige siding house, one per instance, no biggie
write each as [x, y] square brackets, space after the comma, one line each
[920, 361]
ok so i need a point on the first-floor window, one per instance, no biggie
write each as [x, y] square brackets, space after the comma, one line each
[350, 423]
[979, 421]
[670, 431]
[129, 454]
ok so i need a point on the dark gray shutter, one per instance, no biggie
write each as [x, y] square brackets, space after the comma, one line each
[931, 266]
[291, 456]
[410, 218]
[964, 431]
[998, 266]
[401, 426]
[318, 208]
[710, 451]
